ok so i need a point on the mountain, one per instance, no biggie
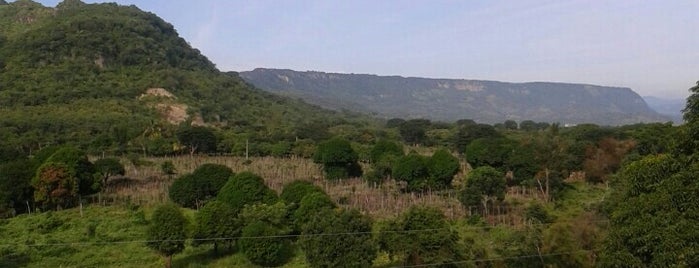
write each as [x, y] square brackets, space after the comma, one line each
[669, 107]
[76, 72]
[453, 99]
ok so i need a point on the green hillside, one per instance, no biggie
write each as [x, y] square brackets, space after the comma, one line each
[74, 73]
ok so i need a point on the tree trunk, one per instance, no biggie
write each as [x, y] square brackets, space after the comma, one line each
[168, 261]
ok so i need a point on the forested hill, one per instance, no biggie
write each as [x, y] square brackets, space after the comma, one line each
[450, 99]
[78, 72]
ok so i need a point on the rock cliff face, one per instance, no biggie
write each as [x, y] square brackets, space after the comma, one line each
[453, 99]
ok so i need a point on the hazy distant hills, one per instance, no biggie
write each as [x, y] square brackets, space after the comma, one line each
[669, 107]
[453, 99]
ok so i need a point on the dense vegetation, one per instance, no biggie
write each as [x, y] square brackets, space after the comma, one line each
[463, 194]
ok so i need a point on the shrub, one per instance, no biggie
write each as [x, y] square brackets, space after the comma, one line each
[168, 168]
[385, 147]
[246, 188]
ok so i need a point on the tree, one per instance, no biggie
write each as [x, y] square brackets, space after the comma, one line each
[78, 166]
[510, 124]
[212, 177]
[167, 232]
[197, 139]
[310, 205]
[484, 184]
[691, 118]
[413, 170]
[15, 186]
[246, 188]
[406, 237]
[338, 158]
[55, 186]
[442, 167]
[413, 131]
[527, 125]
[653, 214]
[107, 167]
[259, 245]
[295, 191]
[355, 249]
[493, 152]
[384, 147]
[192, 190]
[216, 220]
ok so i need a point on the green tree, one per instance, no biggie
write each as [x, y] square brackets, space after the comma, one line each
[413, 131]
[406, 238]
[493, 152]
[691, 119]
[197, 139]
[653, 214]
[485, 185]
[355, 249]
[338, 158]
[167, 232]
[259, 245]
[511, 124]
[15, 186]
[413, 170]
[442, 167]
[192, 190]
[216, 223]
[295, 191]
[310, 205]
[246, 188]
[211, 178]
[384, 147]
[108, 167]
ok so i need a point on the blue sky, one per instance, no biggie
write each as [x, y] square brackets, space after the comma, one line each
[650, 46]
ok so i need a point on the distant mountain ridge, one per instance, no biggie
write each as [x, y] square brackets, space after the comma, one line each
[669, 107]
[454, 99]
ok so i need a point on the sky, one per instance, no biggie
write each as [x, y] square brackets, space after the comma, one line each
[650, 46]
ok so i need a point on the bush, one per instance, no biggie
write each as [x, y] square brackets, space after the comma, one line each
[246, 188]
[168, 168]
[356, 249]
[261, 249]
